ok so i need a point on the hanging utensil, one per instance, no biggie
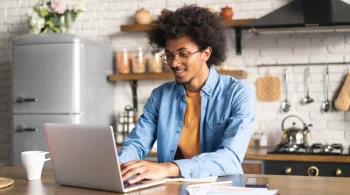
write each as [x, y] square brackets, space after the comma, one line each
[307, 99]
[326, 105]
[285, 104]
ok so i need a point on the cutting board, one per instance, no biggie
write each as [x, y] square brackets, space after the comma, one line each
[268, 88]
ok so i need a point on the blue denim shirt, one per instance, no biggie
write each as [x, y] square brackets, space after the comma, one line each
[227, 115]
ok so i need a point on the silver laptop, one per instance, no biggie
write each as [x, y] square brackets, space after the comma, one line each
[86, 156]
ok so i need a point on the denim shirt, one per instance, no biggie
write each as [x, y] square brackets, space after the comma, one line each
[227, 116]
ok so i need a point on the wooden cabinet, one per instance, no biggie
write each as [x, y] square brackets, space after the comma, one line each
[252, 167]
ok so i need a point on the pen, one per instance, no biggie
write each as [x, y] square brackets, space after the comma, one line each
[210, 184]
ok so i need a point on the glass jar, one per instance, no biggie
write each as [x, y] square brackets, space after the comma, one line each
[138, 62]
[123, 61]
[155, 63]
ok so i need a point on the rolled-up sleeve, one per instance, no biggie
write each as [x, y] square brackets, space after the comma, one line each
[140, 141]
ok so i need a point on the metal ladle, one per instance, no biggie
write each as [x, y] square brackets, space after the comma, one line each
[307, 99]
[285, 104]
[326, 105]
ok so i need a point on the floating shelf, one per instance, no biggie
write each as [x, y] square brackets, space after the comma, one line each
[136, 27]
[239, 74]
[146, 27]
[237, 24]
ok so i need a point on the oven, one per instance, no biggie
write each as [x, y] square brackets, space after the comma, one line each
[329, 169]
[308, 167]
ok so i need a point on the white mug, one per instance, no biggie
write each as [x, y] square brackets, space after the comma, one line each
[33, 162]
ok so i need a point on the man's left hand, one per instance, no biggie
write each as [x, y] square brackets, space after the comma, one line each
[148, 170]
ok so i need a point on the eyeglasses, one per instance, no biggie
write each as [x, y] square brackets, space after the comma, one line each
[181, 57]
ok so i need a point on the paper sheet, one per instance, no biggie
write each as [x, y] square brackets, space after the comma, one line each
[194, 180]
[228, 190]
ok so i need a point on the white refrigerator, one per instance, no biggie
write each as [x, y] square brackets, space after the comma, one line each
[58, 78]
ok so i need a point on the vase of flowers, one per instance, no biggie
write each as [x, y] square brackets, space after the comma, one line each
[54, 15]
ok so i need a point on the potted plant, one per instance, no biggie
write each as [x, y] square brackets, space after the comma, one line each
[54, 15]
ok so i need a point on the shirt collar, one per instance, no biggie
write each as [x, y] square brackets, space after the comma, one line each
[211, 81]
[208, 86]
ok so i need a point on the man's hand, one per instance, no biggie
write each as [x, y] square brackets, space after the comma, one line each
[148, 170]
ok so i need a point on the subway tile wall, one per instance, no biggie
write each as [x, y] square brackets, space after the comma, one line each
[102, 21]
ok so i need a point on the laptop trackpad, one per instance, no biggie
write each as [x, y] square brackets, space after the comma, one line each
[145, 183]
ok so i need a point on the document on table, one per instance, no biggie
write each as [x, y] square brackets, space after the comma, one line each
[194, 180]
[228, 190]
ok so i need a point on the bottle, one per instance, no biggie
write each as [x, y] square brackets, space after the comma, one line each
[263, 140]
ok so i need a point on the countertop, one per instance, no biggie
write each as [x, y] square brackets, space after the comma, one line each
[261, 154]
[301, 185]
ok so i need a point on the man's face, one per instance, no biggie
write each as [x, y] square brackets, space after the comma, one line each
[188, 64]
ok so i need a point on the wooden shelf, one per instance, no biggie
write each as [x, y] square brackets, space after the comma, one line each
[239, 74]
[146, 27]
[237, 23]
[136, 27]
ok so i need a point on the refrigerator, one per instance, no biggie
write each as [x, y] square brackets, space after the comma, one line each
[57, 78]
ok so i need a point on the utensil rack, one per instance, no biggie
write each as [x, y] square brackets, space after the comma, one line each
[307, 64]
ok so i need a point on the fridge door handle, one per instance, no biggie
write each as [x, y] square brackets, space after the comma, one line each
[22, 99]
[25, 129]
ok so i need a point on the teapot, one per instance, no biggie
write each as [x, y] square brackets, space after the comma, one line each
[294, 135]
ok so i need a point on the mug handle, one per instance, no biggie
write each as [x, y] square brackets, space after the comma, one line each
[47, 159]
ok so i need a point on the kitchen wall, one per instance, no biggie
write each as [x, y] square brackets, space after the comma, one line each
[102, 22]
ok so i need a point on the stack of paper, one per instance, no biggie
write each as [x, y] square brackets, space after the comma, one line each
[228, 190]
[194, 180]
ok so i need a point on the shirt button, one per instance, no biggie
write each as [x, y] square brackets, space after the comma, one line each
[177, 131]
[172, 151]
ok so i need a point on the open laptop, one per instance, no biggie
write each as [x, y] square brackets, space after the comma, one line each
[86, 156]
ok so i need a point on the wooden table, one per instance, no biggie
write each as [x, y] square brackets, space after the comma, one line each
[285, 184]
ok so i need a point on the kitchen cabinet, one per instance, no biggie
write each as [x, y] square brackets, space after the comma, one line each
[252, 167]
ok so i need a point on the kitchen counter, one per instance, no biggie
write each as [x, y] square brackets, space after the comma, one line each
[285, 184]
[261, 154]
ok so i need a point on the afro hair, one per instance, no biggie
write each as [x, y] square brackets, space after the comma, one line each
[204, 27]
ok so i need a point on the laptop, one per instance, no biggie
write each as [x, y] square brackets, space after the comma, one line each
[86, 156]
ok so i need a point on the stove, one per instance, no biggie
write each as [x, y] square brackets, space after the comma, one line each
[314, 149]
[305, 167]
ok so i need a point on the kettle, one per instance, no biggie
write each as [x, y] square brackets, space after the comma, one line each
[294, 135]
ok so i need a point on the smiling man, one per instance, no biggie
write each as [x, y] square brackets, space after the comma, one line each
[202, 121]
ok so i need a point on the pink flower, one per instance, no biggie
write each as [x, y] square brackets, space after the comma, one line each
[59, 6]
[70, 4]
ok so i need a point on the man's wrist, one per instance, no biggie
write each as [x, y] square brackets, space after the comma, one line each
[173, 169]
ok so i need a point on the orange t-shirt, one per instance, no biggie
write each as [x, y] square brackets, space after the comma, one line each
[189, 144]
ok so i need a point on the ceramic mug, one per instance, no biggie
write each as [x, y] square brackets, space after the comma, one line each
[33, 162]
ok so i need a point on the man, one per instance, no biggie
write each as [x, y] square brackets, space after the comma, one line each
[202, 122]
